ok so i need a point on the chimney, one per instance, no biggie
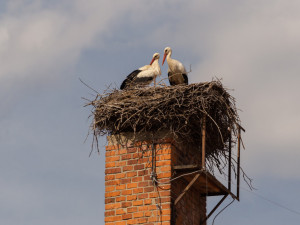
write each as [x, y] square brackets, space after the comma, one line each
[141, 185]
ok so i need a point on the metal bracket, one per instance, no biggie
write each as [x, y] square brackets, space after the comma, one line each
[187, 188]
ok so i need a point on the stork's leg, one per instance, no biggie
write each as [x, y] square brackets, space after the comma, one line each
[154, 81]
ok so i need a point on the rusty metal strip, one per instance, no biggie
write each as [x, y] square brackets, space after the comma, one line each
[238, 165]
[229, 163]
[187, 188]
[203, 141]
[213, 210]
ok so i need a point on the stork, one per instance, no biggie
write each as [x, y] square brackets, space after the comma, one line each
[176, 71]
[143, 75]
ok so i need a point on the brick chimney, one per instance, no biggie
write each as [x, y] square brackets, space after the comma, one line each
[140, 187]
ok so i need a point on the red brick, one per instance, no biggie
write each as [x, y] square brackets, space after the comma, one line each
[110, 153]
[152, 207]
[120, 175]
[120, 199]
[164, 193]
[120, 211]
[138, 190]
[138, 202]
[132, 221]
[126, 204]
[112, 218]
[165, 157]
[142, 220]
[109, 177]
[126, 216]
[137, 179]
[110, 213]
[148, 213]
[144, 184]
[166, 218]
[112, 206]
[147, 177]
[112, 182]
[153, 195]
[127, 168]
[125, 181]
[143, 208]
[138, 214]
[126, 192]
[131, 150]
[108, 223]
[110, 164]
[122, 151]
[165, 199]
[119, 164]
[164, 175]
[121, 187]
[132, 185]
[113, 171]
[132, 209]
[166, 212]
[112, 159]
[132, 162]
[142, 172]
[131, 197]
[143, 196]
[109, 188]
[164, 163]
[125, 157]
[112, 194]
[131, 174]
[110, 200]
[148, 189]
[148, 201]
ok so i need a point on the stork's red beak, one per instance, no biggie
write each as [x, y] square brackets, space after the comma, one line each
[164, 58]
[152, 61]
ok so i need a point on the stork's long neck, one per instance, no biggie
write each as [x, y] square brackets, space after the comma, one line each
[169, 55]
[169, 59]
[155, 66]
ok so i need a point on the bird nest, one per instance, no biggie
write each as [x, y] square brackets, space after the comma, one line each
[179, 110]
[176, 111]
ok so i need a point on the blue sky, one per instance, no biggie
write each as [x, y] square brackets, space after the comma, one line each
[45, 47]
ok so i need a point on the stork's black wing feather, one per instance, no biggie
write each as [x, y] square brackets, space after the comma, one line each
[172, 83]
[185, 77]
[129, 79]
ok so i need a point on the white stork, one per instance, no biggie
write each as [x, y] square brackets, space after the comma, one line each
[176, 71]
[143, 75]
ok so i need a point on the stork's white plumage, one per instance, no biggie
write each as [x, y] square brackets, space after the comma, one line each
[176, 71]
[143, 75]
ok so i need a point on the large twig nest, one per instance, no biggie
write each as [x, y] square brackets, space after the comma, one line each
[177, 109]
[174, 110]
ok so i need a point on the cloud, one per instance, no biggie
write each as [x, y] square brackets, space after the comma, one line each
[37, 39]
[253, 46]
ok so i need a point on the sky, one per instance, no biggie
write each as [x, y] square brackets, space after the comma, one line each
[47, 176]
